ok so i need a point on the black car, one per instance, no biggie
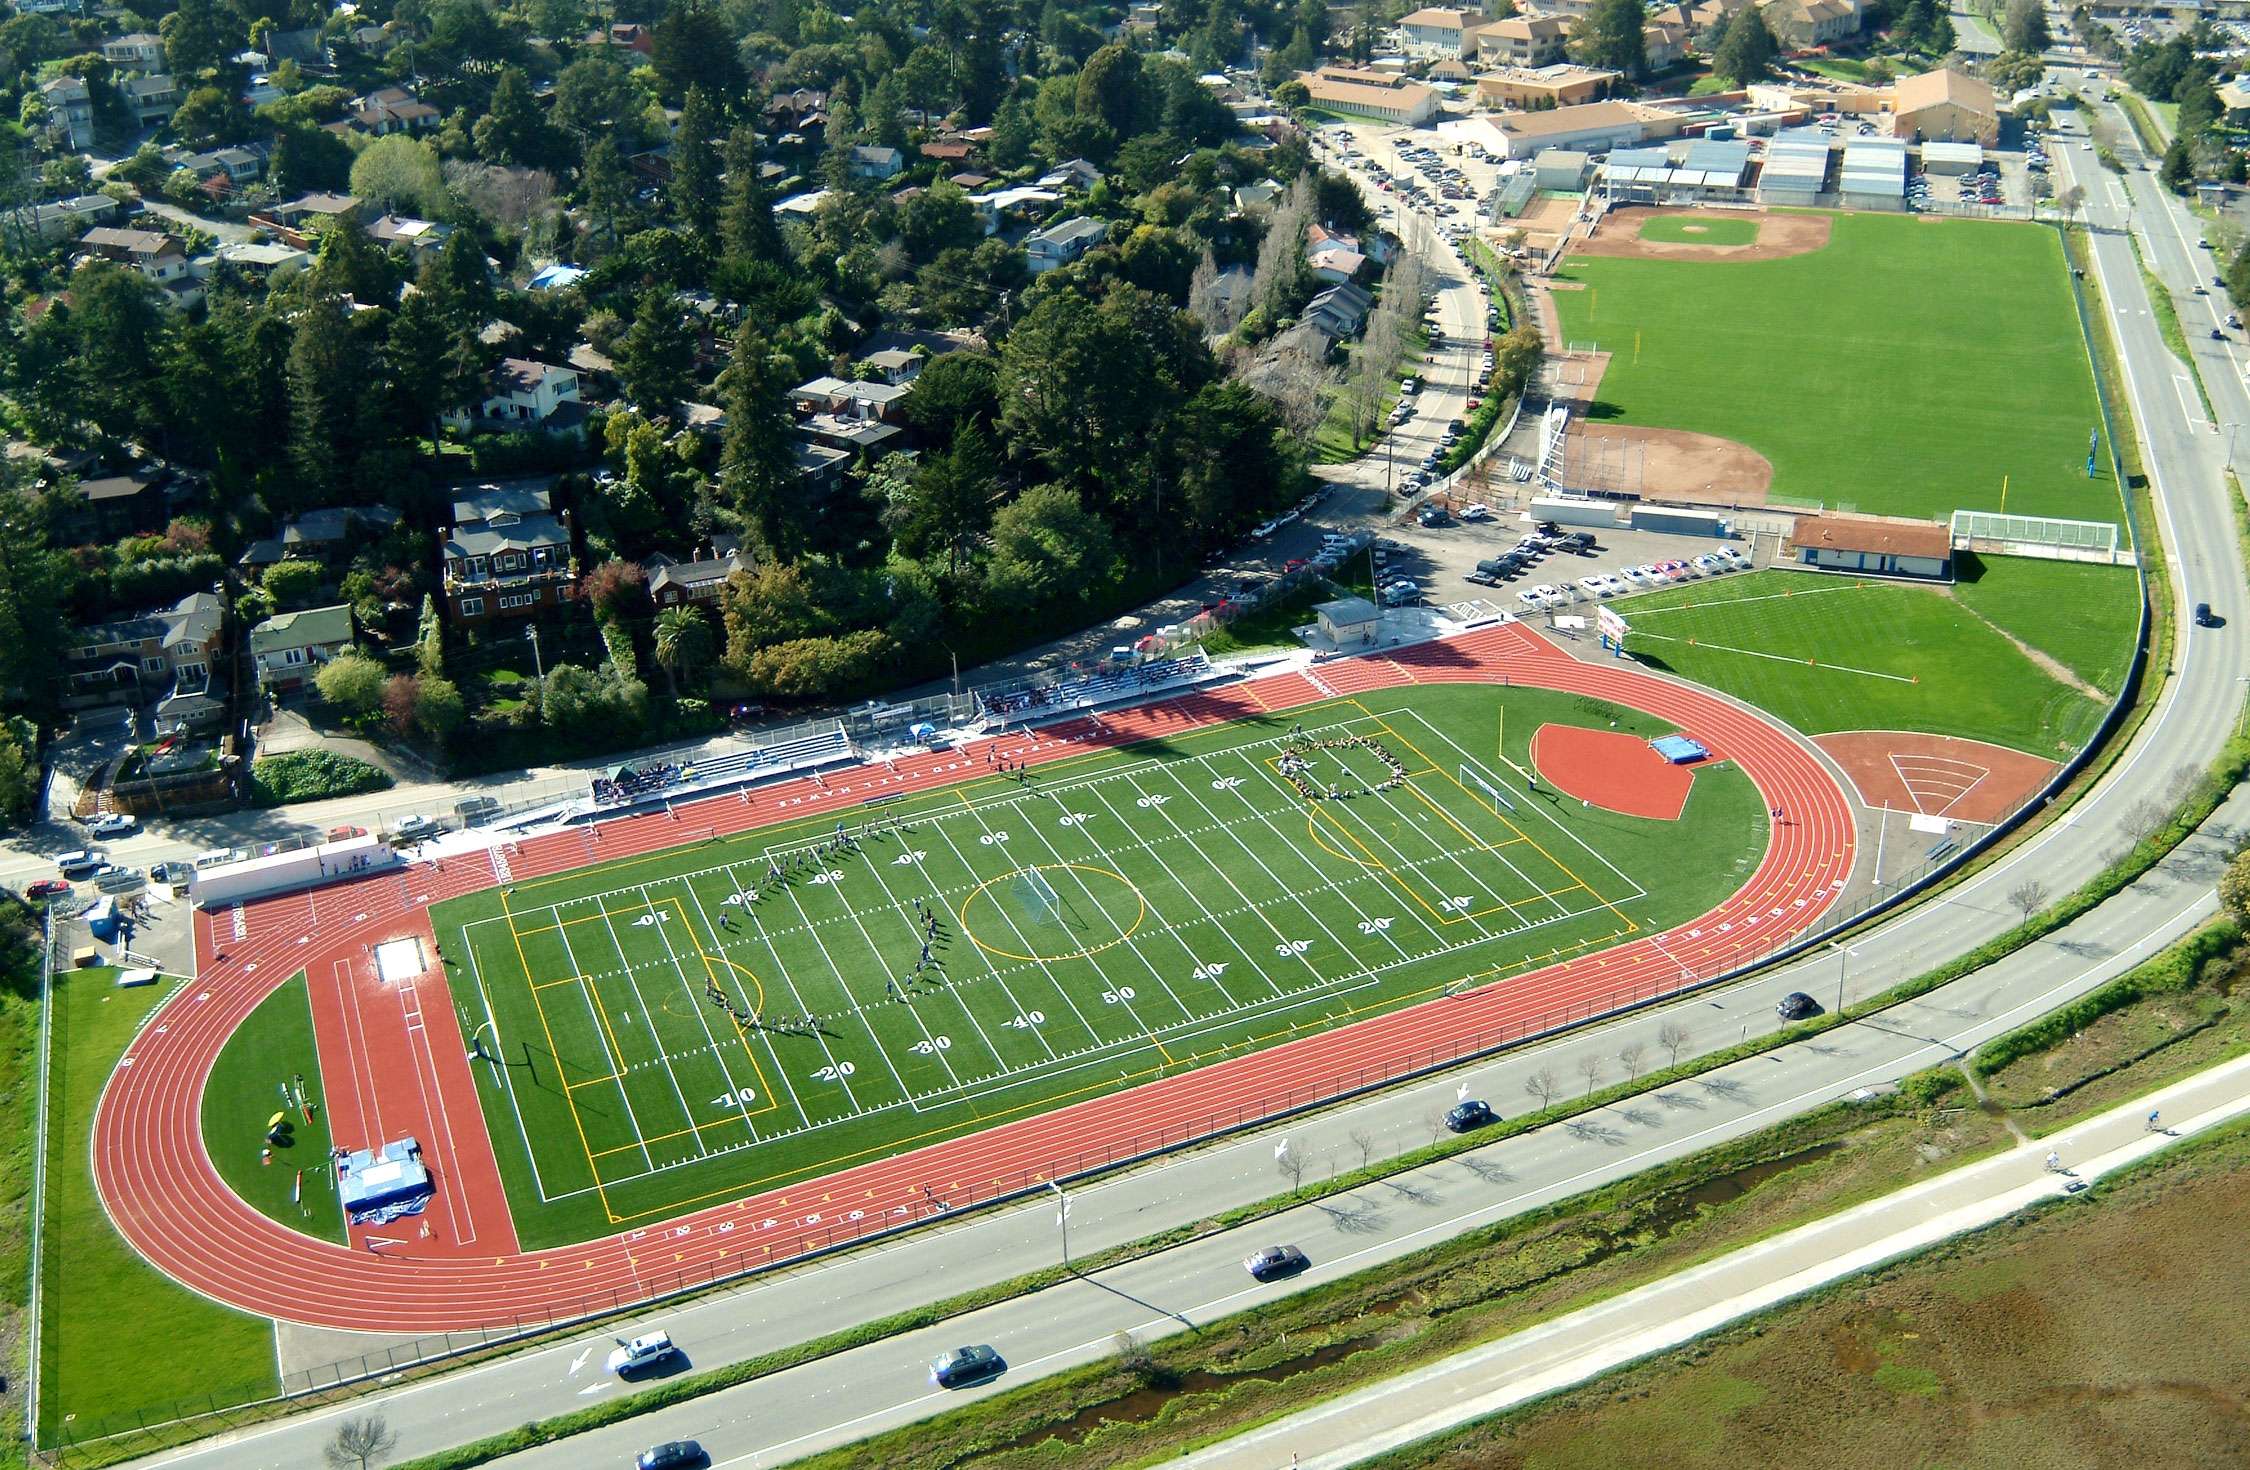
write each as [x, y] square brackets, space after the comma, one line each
[1796, 1005]
[671, 1455]
[1276, 1261]
[1475, 1113]
[2204, 617]
[971, 1364]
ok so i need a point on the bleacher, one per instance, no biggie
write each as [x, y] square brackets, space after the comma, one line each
[738, 768]
[1034, 701]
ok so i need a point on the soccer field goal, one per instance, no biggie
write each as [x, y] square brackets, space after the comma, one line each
[1477, 781]
[1038, 899]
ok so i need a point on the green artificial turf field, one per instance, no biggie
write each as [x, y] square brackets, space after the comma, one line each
[1731, 230]
[1828, 653]
[273, 1048]
[1127, 914]
[1907, 368]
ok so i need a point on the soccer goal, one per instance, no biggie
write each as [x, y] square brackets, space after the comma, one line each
[1038, 899]
[1476, 780]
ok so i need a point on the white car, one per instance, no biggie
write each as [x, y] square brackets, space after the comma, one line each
[112, 824]
[1476, 512]
[1593, 586]
[417, 827]
[1638, 576]
[645, 1351]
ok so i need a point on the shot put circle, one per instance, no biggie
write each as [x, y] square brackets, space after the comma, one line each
[1111, 893]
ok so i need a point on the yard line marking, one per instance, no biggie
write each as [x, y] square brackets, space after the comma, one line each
[852, 912]
[687, 1115]
[781, 970]
[546, 1028]
[921, 866]
[952, 992]
[698, 1006]
[836, 970]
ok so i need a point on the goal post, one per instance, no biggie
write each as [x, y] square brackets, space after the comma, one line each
[1476, 780]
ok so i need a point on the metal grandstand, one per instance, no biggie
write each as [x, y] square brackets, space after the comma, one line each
[2042, 536]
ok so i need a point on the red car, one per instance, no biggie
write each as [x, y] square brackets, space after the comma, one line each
[46, 888]
[341, 834]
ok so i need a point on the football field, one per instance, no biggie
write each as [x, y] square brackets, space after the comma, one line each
[669, 1031]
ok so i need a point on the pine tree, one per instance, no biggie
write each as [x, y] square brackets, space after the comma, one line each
[746, 228]
[694, 190]
[1747, 50]
[656, 356]
[324, 381]
[758, 467]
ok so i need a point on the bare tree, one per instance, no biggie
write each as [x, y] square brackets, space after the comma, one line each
[1295, 383]
[2071, 199]
[359, 1441]
[1134, 1356]
[1590, 1068]
[2029, 896]
[1543, 1084]
[1364, 1141]
[1672, 1036]
[1436, 1119]
[2141, 820]
[1211, 303]
[513, 198]
[1629, 1057]
[1292, 1167]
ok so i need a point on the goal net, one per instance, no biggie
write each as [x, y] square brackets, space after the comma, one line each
[1037, 899]
[1489, 789]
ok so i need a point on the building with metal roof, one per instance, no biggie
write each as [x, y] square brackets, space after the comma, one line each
[1874, 174]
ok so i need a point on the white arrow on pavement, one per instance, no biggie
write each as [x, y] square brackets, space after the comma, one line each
[580, 1361]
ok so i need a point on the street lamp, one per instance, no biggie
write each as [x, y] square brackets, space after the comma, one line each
[1062, 1218]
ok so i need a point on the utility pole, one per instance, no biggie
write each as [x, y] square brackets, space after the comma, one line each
[1062, 1218]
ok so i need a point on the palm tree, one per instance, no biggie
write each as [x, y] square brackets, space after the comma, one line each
[683, 642]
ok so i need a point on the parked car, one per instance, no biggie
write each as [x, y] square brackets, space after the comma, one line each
[1464, 1117]
[46, 888]
[112, 824]
[1476, 511]
[961, 1365]
[645, 1351]
[1796, 1005]
[344, 833]
[78, 863]
[673, 1454]
[1276, 1261]
[172, 872]
[1431, 515]
[417, 826]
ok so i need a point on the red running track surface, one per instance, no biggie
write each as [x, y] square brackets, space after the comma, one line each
[158, 1183]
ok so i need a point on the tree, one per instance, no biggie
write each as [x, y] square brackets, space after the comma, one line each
[682, 643]
[2179, 168]
[208, 117]
[324, 383]
[2029, 897]
[1048, 551]
[747, 232]
[1590, 1068]
[292, 584]
[399, 174]
[1747, 50]
[1939, 37]
[1629, 1057]
[513, 129]
[617, 588]
[596, 97]
[605, 186]
[2025, 27]
[359, 1440]
[352, 682]
[2234, 886]
[439, 709]
[31, 587]
[1291, 1164]
[1611, 37]
[692, 48]
[949, 504]
[195, 38]
[656, 356]
[1672, 1036]
[19, 767]
[1109, 89]
[758, 462]
[693, 192]
[1543, 1085]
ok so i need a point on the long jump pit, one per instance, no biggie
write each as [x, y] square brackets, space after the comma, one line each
[1936, 775]
[1632, 232]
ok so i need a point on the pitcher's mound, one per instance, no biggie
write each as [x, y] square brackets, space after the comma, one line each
[1613, 770]
[1936, 775]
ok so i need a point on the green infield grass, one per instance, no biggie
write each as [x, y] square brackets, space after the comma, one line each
[99, 1374]
[1723, 230]
[270, 1066]
[2081, 616]
[1121, 916]
[1911, 367]
[1828, 653]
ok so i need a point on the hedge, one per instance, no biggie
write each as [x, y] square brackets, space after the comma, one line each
[311, 775]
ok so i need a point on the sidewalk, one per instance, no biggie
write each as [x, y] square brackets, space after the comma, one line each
[1664, 1314]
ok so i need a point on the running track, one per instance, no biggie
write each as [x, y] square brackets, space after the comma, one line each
[160, 1188]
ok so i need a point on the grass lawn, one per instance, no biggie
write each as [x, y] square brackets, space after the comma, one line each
[100, 1297]
[1906, 369]
[1139, 912]
[1837, 68]
[273, 1046]
[1271, 626]
[1731, 230]
[1334, 442]
[1831, 653]
[2080, 616]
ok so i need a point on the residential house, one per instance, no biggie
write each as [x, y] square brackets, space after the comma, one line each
[1072, 173]
[1021, 202]
[300, 221]
[150, 100]
[671, 583]
[1256, 196]
[1664, 44]
[1522, 40]
[1340, 311]
[158, 256]
[1802, 25]
[873, 161]
[418, 238]
[953, 151]
[626, 36]
[523, 394]
[70, 110]
[821, 465]
[1435, 32]
[300, 46]
[1558, 85]
[238, 166]
[1062, 242]
[508, 555]
[852, 417]
[1947, 105]
[894, 367]
[1375, 94]
[318, 534]
[138, 51]
[63, 218]
[264, 261]
[556, 277]
[388, 110]
[288, 649]
[169, 658]
[113, 504]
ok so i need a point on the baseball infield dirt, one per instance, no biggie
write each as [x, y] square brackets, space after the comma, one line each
[1936, 775]
[1779, 235]
[1667, 464]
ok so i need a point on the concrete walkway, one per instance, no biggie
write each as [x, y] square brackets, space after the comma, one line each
[1664, 1314]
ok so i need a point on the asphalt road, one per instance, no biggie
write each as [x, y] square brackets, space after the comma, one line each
[838, 1399]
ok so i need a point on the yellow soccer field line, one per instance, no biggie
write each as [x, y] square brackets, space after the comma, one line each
[577, 1123]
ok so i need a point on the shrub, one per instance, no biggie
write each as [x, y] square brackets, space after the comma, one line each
[311, 775]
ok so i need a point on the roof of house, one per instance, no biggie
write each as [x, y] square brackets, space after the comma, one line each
[309, 628]
[890, 361]
[150, 86]
[1070, 231]
[1346, 612]
[392, 229]
[1436, 19]
[132, 242]
[322, 202]
[688, 575]
[521, 375]
[473, 503]
[1912, 94]
[68, 89]
[483, 539]
[120, 486]
[1865, 533]
[334, 523]
[875, 153]
[1526, 28]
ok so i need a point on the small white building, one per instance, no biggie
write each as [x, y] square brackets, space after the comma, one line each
[1063, 242]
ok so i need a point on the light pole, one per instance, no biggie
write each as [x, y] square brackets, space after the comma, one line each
[1844, 958]
[1062, 1218]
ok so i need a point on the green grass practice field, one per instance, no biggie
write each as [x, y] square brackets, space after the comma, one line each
[273, 1047]
[1123, 915]
[1907, 368]
[1829, 653]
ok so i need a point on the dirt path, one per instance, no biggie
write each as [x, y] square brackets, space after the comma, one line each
[2046, 662]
